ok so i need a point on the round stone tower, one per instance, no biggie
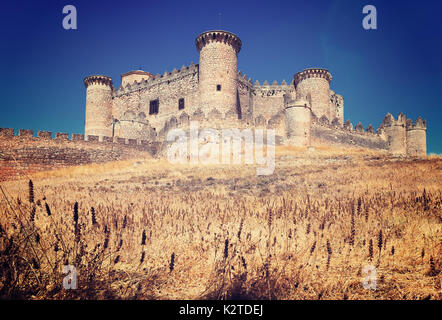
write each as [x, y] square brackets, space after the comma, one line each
[98, 105]
[396, 135]
[298, 119]
[134, 75]
[218, 70]
[313, 85]
[416, 137]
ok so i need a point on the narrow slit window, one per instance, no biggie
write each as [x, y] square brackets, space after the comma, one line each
[181, 104]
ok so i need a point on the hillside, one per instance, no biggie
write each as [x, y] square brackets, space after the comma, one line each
[146, 229]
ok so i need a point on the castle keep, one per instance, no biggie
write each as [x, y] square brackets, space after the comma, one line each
[214, 92]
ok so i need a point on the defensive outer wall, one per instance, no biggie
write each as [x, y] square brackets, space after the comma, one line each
[24, 154]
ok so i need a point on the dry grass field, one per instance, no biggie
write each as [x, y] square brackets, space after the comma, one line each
[146, 229]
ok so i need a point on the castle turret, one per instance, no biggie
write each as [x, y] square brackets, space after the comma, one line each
[298, 119]
[218, 70]
[134, 75]
[416, 137]
[395, 132]
[98, 105]
[313, 85]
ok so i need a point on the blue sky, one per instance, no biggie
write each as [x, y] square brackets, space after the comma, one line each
[397, 67]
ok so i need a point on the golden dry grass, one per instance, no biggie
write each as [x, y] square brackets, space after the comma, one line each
[232, 234]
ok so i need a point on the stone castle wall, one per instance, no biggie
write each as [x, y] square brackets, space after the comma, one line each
[24, 154]
[131, 103]
[244, 108]
[268, 100]
[326, 134]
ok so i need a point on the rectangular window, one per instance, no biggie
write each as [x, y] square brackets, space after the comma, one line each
[153, 107]
[181, 104]
[218, 87]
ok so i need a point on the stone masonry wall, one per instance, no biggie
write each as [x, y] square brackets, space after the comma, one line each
[98, 106]
[131, 103]
[268, 100]
[24, 154]
[244, 108]
[218, 67]
[323, 134]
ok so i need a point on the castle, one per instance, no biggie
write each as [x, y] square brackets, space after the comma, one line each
[303, 113]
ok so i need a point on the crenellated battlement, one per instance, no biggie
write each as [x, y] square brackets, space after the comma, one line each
[7, 134]
[218, 36]
[244, 78]
[390, 121]
[98, 79]
[274, 89]
[347, 126]
[267, 85]
[416, 136]
[158, 79]
[312, 73]
[419, 125]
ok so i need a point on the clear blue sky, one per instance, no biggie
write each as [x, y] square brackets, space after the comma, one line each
[397, 67]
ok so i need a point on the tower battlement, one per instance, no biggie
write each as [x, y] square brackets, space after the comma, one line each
[155, 80]
[267, 85]
[313, 85]
[218, 36]
[419, 125]
[98, 79]
[390, 121]
[312, 73]
[416, 137]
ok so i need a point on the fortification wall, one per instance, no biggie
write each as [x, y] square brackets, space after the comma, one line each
[244, 98]
[215, 120]
[23, 154]
[327, 134]
[268, 100]
[131, 103]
